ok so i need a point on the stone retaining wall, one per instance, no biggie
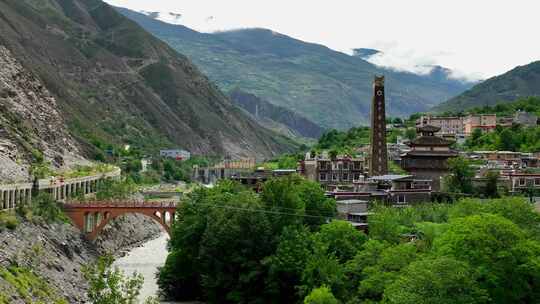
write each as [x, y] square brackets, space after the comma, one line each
[13, 194]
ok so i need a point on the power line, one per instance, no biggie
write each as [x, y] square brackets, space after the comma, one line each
[291, 209]
[265, 211]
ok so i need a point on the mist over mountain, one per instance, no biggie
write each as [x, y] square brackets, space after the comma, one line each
[327, 87]
[365, 53]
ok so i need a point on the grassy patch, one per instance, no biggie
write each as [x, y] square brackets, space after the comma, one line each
[29, 286]
[8, 221]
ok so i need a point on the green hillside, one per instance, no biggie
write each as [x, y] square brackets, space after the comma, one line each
[117, 84]
[276, 117]
[523, 81]
[327, 87]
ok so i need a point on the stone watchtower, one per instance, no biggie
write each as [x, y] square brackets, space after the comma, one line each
[378, 164]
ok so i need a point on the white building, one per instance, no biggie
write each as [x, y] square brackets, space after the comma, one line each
[178, 154]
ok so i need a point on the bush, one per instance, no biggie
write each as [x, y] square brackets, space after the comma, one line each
[116, 189]
[8, 220]
[45, 207]
[322, 295]
[108, 285]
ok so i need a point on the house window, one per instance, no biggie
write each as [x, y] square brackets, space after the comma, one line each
[522, 182]
[357, 165]
[537, 181]
[345, 166]
[324, 165]
[322, 177]
[356, 176]
[401, 199]
[334, 176]
[345, 176]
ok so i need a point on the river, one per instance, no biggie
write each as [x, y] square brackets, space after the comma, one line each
[145, 260]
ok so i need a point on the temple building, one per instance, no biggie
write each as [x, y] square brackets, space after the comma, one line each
[378, 159]
[428, 156]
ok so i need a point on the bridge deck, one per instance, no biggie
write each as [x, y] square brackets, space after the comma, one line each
[123, 205]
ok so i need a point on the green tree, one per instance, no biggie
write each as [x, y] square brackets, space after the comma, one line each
[231, 249]
[397, 121]
[410, 133]
[288, 263]
[221, 236]
[441, 280]
[321, 295]
[280, 196]
[318, 207]
[492, 190]
[342, 239]
[288, 162]
[507, 140]
[116, 189]
[385, 270]
[110, 286]
[45, 207]
[460, 178]
[323, 268]
[488, 243]
[476, 134]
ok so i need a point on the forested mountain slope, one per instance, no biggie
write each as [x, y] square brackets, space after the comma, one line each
[520, 82]
[276, 117]
[327, 87]
[116, 83]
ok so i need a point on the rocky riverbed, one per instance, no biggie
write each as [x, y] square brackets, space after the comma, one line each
[54, 254]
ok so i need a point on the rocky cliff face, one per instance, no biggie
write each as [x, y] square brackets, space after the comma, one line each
[31, 127]
[56, 253]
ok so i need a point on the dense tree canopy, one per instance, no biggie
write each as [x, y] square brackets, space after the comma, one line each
[230, 245]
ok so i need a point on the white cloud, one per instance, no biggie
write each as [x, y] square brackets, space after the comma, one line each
[475, 38]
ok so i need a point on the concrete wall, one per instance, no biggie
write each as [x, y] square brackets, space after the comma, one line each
[13, 194]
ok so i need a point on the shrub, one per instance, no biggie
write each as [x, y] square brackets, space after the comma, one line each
[8, 221]
[45, 207]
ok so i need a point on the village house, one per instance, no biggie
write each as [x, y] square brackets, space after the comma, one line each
[484, 122]
[224, 170]
[332, 172]
[522, 182]
[397, 190]
[177, 154]
[448, 125]
[354, 211]
[525, 119]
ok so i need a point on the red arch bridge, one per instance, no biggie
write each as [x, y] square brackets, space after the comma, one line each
[92, 217]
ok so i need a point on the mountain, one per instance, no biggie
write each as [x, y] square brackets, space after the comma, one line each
[275, 117]
[522, 81]
[31, 127]
[330, 88]
[114, 83]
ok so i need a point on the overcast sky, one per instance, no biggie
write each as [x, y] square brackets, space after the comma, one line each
[477, 38]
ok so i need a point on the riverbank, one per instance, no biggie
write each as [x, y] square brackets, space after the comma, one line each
[43, 262]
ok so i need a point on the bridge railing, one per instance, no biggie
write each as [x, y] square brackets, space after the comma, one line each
[119, 204]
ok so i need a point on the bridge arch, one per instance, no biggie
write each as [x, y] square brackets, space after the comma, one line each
[92, 218]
